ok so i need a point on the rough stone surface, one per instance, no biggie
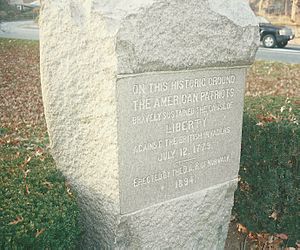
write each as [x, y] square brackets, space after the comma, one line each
[193, 36]
[85, 45]
[196, 221]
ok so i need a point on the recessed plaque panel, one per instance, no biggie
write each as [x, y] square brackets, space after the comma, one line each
[178, 133]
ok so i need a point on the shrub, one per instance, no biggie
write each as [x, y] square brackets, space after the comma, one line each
[268, 197]
[37, 208]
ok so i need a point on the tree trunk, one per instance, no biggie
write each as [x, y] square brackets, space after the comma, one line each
[260, 7]
[294, 10]
[267, 6]
[286, 7]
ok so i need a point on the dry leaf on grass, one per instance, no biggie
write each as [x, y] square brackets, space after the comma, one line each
[282, 236]
[274, 215]
[39, 232]
[241, 228]
[16, 221]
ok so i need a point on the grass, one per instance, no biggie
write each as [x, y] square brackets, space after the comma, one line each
[267, 199]
[38, 209]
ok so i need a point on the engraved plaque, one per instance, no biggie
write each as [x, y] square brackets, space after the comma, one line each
[178, 133]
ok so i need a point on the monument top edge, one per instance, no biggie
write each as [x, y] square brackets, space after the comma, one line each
[122, 76]
[231, 9]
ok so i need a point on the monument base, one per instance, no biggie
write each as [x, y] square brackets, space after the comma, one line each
[202, 222]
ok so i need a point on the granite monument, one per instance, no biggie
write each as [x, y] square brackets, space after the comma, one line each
[143, 102]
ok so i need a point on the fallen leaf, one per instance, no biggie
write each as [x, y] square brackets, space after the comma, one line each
[69, 191]
[252, 236]
[277, 242]
[262, 237]
[27, 160]
[273, 216]
[27, 189]
[26, 173]
[48, 184]
[269, 118]
[260, 124]
[282, 236]
[241, 228]
[16, 221]
[39, 232]
[38, 152]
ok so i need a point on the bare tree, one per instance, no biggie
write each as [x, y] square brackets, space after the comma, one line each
[260, 7]
[295, 8]
[265, 5]
[286, 7]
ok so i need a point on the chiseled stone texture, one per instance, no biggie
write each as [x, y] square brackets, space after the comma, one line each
[85, 45]
[197, 221]
[177, 35]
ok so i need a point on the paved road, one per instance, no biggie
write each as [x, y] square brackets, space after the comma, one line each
[20, 30]
[289, 54]
[29, 30]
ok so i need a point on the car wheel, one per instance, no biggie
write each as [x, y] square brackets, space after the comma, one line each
[282, 44]
[269, 41]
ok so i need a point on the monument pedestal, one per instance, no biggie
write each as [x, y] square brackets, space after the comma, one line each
[143, 102]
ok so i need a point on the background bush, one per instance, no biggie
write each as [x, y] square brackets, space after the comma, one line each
[37, 208]
[268, 197]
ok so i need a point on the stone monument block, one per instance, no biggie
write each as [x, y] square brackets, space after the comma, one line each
[143, 102]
